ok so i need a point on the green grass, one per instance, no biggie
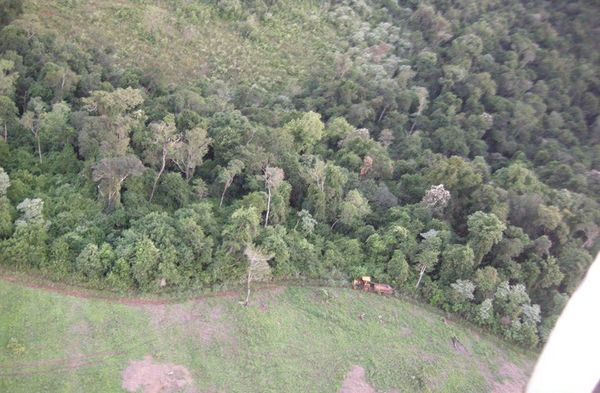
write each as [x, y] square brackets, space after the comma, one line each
[183, 41]
[296, 340]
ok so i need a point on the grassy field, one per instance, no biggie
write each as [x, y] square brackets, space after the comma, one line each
[183, 41]
[288, 340]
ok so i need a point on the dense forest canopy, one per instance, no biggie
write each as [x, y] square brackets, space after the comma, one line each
[450, 148]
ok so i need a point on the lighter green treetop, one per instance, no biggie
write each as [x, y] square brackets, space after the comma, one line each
[4, 182]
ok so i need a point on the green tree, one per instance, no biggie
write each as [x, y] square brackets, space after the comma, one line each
[160, 147]
[36, 109]
[575, 260]
[548, 218]
[241, 229]
[518, 178]
[5, 206]
[485, 230]
[427, 255]
[110, 173]
[273, 177]
[274, 241]
[353, 210]
[120, 276]
[107, 134]
[551, 276]
[228, 174]
[306, 130]
[59, 79]
[189, 152]
[93, 261]
[55, 130]
[457, 263]
[32, 212]
[146, 260]
[487, 280]
[4, 182]
[27, 247]
[306, 221]
[8, 76]
[397, 267]
[8, 115]
[326, 183]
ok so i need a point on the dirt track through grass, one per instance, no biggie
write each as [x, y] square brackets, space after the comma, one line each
[289, 339]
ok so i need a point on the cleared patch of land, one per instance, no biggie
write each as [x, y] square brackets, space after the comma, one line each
[293, 340]
[182, 42]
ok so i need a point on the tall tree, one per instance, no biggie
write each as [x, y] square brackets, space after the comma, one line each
[258, 267]
[485, 230]
[326, 183]
[4, 182]
[436, 198]
[8, 78]
[32, 211]
[8, 115]
[60, 79]
[457, 263]
[163, 139]
[56, 132]
[5, 206]
[428, 253]
[115, 114]
[110, 173]
[234, 168]
[241, 229]
[36, 109]
[354, 208]
[307, 131]
[273, 177]
[189, 152]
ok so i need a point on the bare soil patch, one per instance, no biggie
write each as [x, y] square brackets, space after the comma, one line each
[458, 346]
[156, 377]
[355, 382]
[515, 379]
[406, 331]
[428, 358]
[265, 300]
[200, 320]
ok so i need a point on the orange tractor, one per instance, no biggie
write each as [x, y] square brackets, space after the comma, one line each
[365, 284]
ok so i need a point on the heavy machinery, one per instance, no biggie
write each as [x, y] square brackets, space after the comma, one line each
[365, 284]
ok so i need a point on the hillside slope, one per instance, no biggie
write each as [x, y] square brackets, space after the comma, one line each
[292, 340]
[182, 42]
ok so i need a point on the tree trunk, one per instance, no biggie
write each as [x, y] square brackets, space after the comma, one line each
[39, 146]
[5, 133]
[189, 169]
[62, 84]
[162, 168]
[412, 128]
[381, 114]
[223, 195]
[268, 207]
[247, 290]
[335, 222]
[420, 276]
